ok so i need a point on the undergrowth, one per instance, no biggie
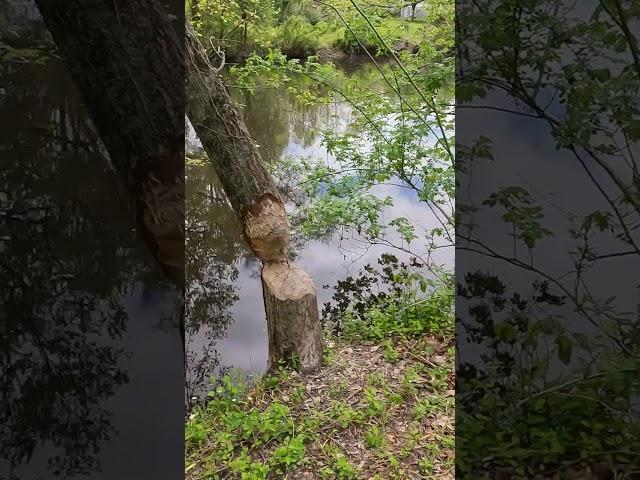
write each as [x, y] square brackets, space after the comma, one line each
[395, 299]
[381, 407]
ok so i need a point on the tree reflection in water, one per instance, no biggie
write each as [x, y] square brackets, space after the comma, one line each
[218, 259]
[213, 246]
[69, 260]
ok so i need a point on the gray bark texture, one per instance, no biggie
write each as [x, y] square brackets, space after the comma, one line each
[127, 61]
[289, 294]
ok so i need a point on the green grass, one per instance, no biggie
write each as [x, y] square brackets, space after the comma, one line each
[330, 36]
[411, 31]
[391, 27]
[381, 406]
[289, 424]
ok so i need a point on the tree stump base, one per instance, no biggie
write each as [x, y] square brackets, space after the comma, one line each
[292, 315]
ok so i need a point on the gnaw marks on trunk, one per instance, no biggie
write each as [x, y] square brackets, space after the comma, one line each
[289, 294]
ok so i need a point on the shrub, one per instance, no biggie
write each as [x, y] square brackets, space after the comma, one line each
[397, 300]
[299, 37]
[359, 32]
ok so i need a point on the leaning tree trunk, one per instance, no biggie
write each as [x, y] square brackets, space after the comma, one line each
[289, 294]
[127, 62]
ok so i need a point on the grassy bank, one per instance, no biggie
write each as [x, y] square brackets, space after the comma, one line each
[376, 410]
[412, 32]
[380, 408]
[303, 39]
[297, 38]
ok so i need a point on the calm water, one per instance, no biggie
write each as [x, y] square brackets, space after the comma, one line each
[90, 349]
[226, 314]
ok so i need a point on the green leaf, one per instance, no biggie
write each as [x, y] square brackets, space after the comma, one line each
[565, 347]
[506, 332]
[633, 131]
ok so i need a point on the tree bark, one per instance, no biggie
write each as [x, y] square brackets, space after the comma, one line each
[290, 302]
[289, 294]
[127, 62]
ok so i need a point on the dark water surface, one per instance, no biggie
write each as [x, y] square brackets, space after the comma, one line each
[90, 351]
[232, 326]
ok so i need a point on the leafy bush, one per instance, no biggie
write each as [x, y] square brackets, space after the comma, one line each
[555, 422]
[394, 301]
[313, 16]
[299, 38]
[360, 34]
[236, 25]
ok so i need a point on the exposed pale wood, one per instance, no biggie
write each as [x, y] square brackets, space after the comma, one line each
[289, 295]
[267, 230]
[290, 300]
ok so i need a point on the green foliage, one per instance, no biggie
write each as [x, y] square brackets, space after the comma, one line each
[264, 433]
[431, 405]
[15, 50]
[375, 405]
[345, 415]
[231, 429]
[426, 466]
[343, 204]
[300, 38]
[359, 35]
[402, 133]
[376, 379]
[274, 69]
[235, 25]
[374, 437]
[289, 454]
[246, 469]
[525, 216]
[340, 468]
[550, 397]
[389, 353]
[300, 28]
[550, 418]
[406, 303]
[438, 24]
[195, 160]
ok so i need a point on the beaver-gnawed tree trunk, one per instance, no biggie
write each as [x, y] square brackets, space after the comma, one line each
[127, 62]
[289, 294]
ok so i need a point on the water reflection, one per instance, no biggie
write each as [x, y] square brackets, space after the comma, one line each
[213, 246]
[280, 124]
[78, 290]
[547, 315]
[282, 127]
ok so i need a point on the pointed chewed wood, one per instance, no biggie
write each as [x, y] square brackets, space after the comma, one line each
[266, 228]
[291, 305]
[290, 300]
